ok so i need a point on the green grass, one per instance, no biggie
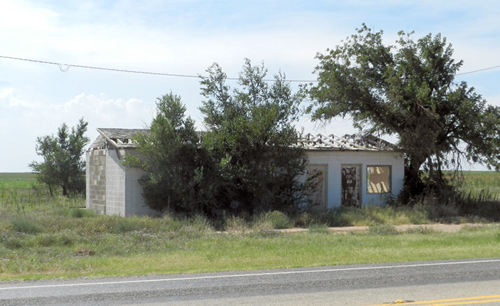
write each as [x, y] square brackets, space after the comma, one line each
[17, 180]
[49, 237]
[477, 182]
[92, 248]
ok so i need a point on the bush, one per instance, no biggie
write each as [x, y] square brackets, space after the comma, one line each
[53, 239]
[25, 226]
[123, 225]
[11, 241]
[276, 219]
[82, 212]
[304, 219]
[236, 224]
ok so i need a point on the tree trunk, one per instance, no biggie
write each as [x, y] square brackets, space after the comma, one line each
[50, 190]
[413, 184]
[64, 190]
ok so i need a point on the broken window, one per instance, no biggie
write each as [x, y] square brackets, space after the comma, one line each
[378, 179]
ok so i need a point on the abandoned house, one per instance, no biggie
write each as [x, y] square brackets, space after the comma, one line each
[352, 170]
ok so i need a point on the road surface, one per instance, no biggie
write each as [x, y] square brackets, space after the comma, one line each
[459, 282]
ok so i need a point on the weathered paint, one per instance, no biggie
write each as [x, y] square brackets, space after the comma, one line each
[336, 159]
[113, 189]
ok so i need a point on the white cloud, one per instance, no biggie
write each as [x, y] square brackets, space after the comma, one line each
[34, 106]
[21, 122]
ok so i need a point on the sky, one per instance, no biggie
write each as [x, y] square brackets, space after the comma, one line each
[186, 37]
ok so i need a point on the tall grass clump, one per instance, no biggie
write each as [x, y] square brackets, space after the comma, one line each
[273, 220]
[82, 213]
[25, 226]
[455, 205]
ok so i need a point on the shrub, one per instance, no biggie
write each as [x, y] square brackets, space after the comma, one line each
[25, 226]
[304, 219]
[236, 224]
[276, 219]
[82, 212]
[123, 225]
[11, 241]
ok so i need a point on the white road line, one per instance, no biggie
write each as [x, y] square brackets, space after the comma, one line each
[249, 275]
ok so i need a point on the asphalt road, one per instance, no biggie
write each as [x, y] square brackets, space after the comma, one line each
[476, 280]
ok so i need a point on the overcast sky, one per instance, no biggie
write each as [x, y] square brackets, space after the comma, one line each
[185, 37]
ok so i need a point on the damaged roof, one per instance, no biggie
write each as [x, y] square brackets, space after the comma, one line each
[353, 142]
[118, 138]
[122, 139]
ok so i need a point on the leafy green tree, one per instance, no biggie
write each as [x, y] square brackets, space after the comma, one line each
[251, 139]
[62, 164]
[247, 160]
[408, 89]
[175, 164]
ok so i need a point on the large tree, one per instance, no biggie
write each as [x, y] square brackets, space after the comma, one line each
[62, 164]
[177, 168]
[247, 161]
[408, 89]
[252, 140]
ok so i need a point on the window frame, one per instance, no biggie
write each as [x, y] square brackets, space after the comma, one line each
[368, 179]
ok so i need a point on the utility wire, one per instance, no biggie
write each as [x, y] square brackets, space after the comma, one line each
[64, 67]
[478, 70]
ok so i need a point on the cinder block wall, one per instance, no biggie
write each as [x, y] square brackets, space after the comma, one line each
[96, 181]
[115, 182]
[135, 203]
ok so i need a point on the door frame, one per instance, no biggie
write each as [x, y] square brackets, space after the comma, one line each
[359, 168]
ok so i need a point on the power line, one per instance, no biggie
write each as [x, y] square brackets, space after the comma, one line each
[478, 70]
[64, 67]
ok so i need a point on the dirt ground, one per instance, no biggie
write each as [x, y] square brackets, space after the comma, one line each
[438, 227]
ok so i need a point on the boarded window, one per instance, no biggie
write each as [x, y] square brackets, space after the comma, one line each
[378, 179]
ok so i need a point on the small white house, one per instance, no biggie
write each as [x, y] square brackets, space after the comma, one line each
[352, 170]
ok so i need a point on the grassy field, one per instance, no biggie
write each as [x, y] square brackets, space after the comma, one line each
[43, 237]
[482, 181]
[94, 246]
[17, 180]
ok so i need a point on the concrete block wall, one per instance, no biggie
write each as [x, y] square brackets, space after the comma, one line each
[135, 204]
[96, 181]
[115, 185]
[335, 160]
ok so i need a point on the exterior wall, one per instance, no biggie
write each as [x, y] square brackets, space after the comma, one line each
[135, 204]
[334, 161]
[96, 181]
[115, 185]
[113, 189]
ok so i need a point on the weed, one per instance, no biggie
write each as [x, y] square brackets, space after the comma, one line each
[304, 219]
[274, 219]
[237, 225]
[25, 226]
[81, 213]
